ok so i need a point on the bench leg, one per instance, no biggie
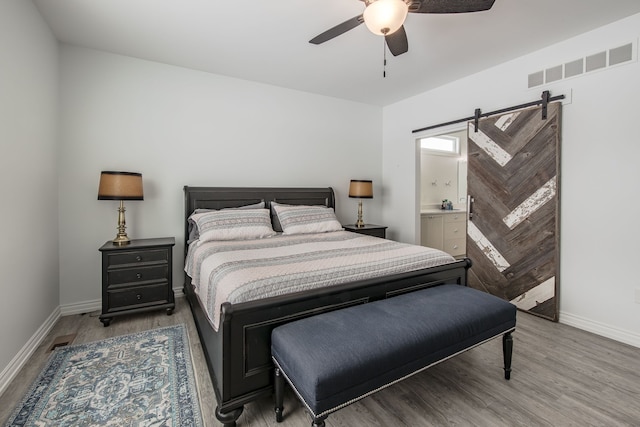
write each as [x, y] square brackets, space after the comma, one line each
[318, 422]
[279, 392]
[507, 351]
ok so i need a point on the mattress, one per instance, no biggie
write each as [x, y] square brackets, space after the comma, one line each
[239, 271]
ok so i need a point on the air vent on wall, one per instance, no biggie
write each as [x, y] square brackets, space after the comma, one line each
[597, 61]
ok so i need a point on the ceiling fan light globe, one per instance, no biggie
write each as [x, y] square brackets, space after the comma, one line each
[384, 17]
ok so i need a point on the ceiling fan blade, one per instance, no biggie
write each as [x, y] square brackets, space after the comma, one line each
[397, 42]
[449, 6]
[337, 30]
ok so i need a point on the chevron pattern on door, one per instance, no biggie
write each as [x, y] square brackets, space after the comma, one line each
[513, 235]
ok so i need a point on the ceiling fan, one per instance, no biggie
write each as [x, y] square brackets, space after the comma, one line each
[386, 18]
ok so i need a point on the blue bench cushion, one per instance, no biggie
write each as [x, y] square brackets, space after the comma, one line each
[337, 357]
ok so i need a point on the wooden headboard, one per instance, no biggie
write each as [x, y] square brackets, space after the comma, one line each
[233, 197]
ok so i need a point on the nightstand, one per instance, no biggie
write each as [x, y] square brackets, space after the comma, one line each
[369, 229]
[137, 277]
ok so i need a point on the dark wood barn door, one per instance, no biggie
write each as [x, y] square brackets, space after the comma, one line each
[513, 180]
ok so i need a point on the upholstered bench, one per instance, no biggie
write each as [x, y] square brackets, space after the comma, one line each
[337, 358]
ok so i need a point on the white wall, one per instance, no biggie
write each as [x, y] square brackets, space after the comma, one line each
[599, 171]
[183, 127]
[28, 176]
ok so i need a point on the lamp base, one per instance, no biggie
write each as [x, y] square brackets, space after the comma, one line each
[359, 221]
[121, 239]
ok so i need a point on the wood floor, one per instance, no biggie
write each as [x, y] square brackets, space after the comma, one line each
[561, 377]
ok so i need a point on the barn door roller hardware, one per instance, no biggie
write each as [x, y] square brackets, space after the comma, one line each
[476, 119]
[544, 100]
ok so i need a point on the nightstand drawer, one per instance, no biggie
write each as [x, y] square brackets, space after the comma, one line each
[137, 257]
[368, 229]
[137, 297]
[375, 232]
[136, 275]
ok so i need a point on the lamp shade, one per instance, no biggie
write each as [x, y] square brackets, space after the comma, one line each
[120, 186]
[384, 17]
[360, 188]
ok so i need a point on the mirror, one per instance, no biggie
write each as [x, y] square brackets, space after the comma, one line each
[443, 169]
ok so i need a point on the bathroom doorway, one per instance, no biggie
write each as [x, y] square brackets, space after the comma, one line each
[443, 169]
[442, 182]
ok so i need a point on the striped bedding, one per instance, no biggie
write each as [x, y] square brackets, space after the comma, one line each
[246, 270]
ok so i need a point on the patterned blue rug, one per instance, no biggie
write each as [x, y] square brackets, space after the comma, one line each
[142, 379]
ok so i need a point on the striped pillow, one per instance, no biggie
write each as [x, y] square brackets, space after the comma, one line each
[193, 229]
[307, 219]
[233, 224]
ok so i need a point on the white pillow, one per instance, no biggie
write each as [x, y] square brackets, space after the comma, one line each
[301, 219]
[233, 224]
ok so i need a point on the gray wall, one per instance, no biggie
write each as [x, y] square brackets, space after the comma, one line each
[29, 176]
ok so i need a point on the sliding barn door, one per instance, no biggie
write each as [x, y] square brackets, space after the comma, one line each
[513, 181]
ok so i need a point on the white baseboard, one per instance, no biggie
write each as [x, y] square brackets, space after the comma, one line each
[81, 307]
[12, 369]
[601, 329]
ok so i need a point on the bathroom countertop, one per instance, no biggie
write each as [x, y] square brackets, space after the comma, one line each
[441, 211]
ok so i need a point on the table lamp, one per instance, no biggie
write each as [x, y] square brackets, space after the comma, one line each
[361, 189]
[120, 186]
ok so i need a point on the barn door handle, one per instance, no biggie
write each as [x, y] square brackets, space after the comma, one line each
[470, 201]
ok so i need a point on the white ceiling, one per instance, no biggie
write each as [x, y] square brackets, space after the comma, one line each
[267, 41]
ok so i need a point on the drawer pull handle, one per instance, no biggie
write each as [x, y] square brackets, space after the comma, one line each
[139, 297]
[138, 258]
[455, 246]
[139, 276]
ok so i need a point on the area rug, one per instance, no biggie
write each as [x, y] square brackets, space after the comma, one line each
[141, 379]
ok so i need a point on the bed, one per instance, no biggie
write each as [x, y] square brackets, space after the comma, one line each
[236, 339]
